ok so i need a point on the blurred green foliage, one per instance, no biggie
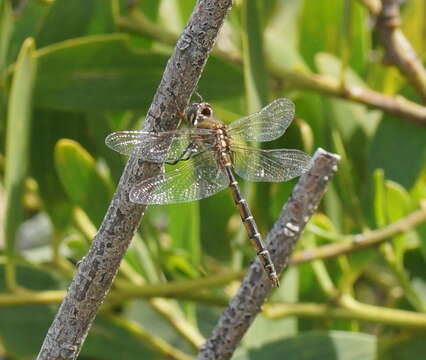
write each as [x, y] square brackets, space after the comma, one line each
[71, 72]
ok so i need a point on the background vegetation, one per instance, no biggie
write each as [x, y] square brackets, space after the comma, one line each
[73, 71]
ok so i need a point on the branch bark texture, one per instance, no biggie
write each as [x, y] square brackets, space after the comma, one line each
[255, 287]
[98, 268]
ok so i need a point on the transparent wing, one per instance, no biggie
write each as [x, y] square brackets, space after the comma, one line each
[269, 165]
[166, 146]
[195, 179]
[266, 125]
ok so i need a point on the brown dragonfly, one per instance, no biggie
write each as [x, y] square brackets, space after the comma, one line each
[203, 159]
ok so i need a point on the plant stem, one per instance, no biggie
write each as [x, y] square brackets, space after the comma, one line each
[361, 241]
[352, 310]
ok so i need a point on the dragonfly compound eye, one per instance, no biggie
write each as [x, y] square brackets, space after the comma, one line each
[206, 110]
[198, 112]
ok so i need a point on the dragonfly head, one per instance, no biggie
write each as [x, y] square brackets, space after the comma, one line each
[198, 112]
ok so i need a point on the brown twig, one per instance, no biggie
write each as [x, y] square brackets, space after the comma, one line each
[395, 105]
[399, 106]
[255, 287]
[97, 269]
[398, 50]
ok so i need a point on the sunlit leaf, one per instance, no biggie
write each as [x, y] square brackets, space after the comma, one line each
[17, 140]
[104, 72]
[398, 205]
[83, 183]
[184, 229]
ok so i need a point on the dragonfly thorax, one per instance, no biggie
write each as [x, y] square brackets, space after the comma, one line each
[198, 112]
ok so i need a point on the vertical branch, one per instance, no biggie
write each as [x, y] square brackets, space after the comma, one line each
[255, 287]
[97, 269]
[398, 50]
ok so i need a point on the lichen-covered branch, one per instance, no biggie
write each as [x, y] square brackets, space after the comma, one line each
[255, 287]
[97, 269]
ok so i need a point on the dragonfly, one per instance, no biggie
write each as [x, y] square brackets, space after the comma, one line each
[203, 157]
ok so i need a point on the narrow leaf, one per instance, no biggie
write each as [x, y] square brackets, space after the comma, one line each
[83, 183]
[6, 27]
[17, 140]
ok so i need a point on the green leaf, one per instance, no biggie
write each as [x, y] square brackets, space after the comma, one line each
[23, 327]
[140, 258]
[325, 18]
[349, 190]
[255, 77]
[284, 55]
[348, 115]
[408, 348]
[104, 72]
[399, 148]
[398, 205]
[27, 22]
[70, 19]
[49, 127]
[184, 228]
[6, 28]
[215, 225]
[185, 7]
[83, 183]
[154, 322]
[418, 191]
[17, 140]
[265, 331]
[330, 345]
[413, 23]
[379, 198]
[109, 341]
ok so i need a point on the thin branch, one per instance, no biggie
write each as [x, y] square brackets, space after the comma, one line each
[255, 287]
[361, 241]
[32, 297]
[398, 50]
[192, 289]
[171, 289]
[98, 268]
[395, 105]
[354, 311]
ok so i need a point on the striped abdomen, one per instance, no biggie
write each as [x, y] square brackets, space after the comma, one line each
[251, 228]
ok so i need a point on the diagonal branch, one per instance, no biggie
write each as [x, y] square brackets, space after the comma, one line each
[98, 268]
[398, 50]
[254, 289]
[399, 106]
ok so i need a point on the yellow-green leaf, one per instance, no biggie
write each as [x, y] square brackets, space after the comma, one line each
[17, 139]
[82, 181]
